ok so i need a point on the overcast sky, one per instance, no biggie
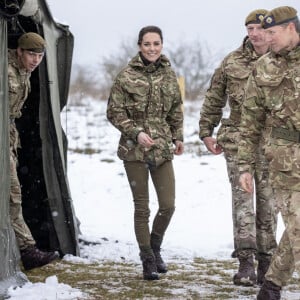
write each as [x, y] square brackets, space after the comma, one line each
[99, 26]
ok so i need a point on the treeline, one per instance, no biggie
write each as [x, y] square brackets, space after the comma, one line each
[192, 60]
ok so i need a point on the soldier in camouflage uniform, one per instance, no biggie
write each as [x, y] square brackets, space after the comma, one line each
[272, 105]
[254, 232]
[145, 105]
[21, 62]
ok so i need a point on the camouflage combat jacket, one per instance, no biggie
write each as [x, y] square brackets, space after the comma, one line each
[272, 104]
[19, 85]
[146, 98]
[18, 90]
[227, 86]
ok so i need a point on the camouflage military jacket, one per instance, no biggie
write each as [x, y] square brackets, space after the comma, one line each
[272, 104]
[19, 85]
[146, 98]
[18, 90]
[227, 86]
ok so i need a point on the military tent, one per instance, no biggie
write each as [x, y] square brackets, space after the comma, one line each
[42, 170]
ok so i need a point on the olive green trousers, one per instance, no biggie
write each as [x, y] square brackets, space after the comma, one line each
[164, 183]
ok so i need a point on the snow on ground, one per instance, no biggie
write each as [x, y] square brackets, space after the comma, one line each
[201, 225]
[202, 221]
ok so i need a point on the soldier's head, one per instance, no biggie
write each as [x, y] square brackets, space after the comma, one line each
[281, 25]
[150, 41]
[31, 49]
[255, 31]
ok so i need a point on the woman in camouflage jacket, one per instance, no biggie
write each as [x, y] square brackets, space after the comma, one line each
[145, 106]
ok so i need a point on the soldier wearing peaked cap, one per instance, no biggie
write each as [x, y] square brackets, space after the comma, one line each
[21, 63]
[254, 231]
[272, 105]
[32, 41]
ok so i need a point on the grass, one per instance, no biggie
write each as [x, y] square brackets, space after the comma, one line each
[199, 279]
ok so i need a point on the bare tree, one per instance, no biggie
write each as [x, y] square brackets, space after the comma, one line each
[111, 65]
[195, 63]
[83, 84]
[191, 60]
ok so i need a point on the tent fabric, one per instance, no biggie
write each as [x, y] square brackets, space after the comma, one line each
[10, 273]
[47, 202]
[59, 55]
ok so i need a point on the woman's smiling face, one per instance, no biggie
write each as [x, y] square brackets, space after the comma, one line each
[151, 46]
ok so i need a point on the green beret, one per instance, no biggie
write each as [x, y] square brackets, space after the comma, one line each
[256, 16]
[32, 41]
[279, 15]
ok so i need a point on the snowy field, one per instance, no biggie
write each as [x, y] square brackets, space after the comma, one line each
[201, 226]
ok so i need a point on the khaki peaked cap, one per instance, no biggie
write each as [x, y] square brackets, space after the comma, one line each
[279, 15]
[256, 16]
[32, 41]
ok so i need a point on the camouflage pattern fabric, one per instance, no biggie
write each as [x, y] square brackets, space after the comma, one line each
[22, 232]
[287, 256]
[272, 101]
[19, 87]
[227, 87]
[146, 98]
[254, 231]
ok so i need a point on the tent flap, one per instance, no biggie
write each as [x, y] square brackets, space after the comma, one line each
[46, 198]
[9, 255]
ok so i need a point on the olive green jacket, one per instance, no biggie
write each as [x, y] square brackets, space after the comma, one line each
[227, 87]
[272, 102]
[146, 98]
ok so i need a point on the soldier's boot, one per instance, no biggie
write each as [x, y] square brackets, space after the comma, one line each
[262, 268]
[246, 274]
[155, 245]
[269, 291]
[149, 266]
[32, 257]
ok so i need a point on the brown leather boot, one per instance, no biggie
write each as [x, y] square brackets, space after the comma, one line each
[149, 266]
[160, 264]
[246, 274]
[32, 257]
[269, 291]
[262, 268]
[155, 245]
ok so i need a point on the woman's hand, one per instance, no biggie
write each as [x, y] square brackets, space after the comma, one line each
[145, 140]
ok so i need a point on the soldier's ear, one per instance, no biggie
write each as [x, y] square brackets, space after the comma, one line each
[19, 51]
[292, 26]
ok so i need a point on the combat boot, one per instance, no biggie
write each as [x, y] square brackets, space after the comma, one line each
[262, 268]
[269, 291]
[155, 245]
[149, 266]
[32, 257]
[246, 274]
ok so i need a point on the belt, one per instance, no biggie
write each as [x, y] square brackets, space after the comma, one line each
[285, 134]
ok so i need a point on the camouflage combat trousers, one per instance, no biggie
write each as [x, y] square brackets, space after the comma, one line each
[254, 226]
[22, 232]
[164, 183]
[287, 256]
